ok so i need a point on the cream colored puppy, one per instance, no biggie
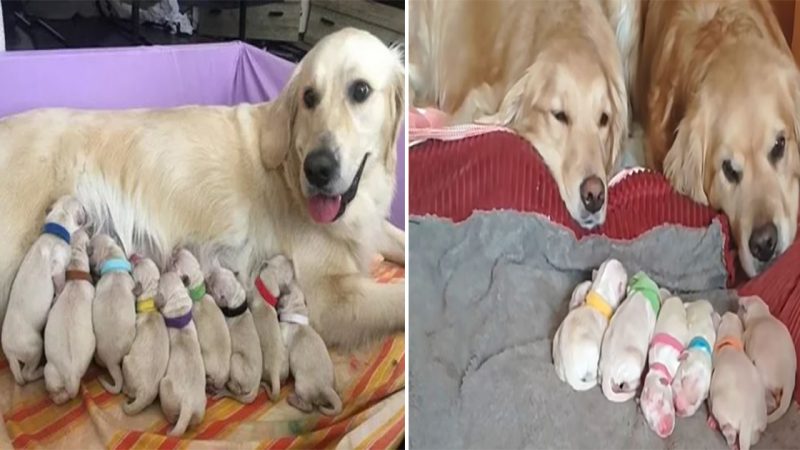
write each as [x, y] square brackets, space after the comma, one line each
[182, 391]
[769, 345]
[68, 336]
[576, 344]
[309, 360]
[624, 351]
[39, 279]
[736, 399]
[113, 310]
[693, 378]
[246, 365]
[212, 331]
[145, 365]
[274, 277]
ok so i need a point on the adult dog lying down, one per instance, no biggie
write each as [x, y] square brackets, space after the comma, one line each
[309, 175]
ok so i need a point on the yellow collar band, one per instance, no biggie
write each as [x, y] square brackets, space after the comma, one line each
[598, 303]
[146, 305]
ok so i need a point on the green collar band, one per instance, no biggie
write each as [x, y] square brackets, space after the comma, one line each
[197, 292]
[642, 284]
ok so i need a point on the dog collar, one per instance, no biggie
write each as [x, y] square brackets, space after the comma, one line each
[596, 302]
[265, 293]
[662, 370]
[644, 285]
[115, 265]
[294, 318]
[701, 343]
[145, 306]
[668, 340]
[180, 321]
[198, 292]
[351, 192]
[78, 275]
[56, 230]
[234, 312]
[730, 342]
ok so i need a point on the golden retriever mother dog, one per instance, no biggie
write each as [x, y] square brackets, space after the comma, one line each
[719, 91]
[309, 175]
[550, 70]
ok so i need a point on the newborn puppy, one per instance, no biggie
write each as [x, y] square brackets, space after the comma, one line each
[769, 345]
[624, 350]
[576, 344]
[246, 364]
[274, 276]
[693, 378]
[182, 391]
[146, 363]
[668, 342]
[39, 279]
[309, 360]
[736, 400]
[113, 310]
[68, 336]
[215, 340]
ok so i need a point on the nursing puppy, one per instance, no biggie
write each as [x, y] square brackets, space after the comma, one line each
[246, 365]
[39, 279]
[309, 360]
[736, 399]
[145, 365]
[769, 345]
[113, 309]
[212, 331]
[182, 391]
[576, 344]
[693, 379]
[624, 351]
[68, 336]
[669, 340]
[274, 278]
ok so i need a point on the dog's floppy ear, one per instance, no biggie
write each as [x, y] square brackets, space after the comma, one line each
[526, 90]
[618, 125]
[276, 123]
[579, 294]
[684, 165]
[395, 119]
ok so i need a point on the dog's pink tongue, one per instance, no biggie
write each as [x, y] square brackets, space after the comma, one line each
[323, 209]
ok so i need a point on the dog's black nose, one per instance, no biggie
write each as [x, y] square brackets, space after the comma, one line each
[593, 194]
[763, 241]
[321, 167]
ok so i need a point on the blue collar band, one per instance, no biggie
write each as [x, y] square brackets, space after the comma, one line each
[56, 230]
[701, 343]
[115, 265]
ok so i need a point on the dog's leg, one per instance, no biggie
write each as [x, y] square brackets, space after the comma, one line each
[393, 244]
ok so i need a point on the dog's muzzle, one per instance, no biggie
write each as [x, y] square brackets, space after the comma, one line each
[328, 208]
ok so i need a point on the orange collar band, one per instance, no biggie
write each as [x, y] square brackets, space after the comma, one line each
[729, 342]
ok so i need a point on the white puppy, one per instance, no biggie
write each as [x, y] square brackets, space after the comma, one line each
[624, 351]
[667, 345]
[182, 391]
[309, 360]
[39, 279]
[246, 365]
[693, 379]
[212, 331]
[113, 310]
[145, 365]
[68, 336]
[576, 344]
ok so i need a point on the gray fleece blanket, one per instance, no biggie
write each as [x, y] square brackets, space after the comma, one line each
[486, 298]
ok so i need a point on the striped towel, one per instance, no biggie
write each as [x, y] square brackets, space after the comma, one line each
[371, 382]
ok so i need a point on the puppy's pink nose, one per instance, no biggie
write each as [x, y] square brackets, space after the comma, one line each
[593, 194]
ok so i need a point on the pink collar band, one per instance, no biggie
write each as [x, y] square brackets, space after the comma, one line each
[668, 340]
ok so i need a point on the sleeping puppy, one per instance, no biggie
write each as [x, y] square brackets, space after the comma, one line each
[669, 341]
[309, 360]
[39, 279]
[736, 401]
[719, 91]
[769, 345]
[212, 331]
[693, 378]
[274, 278]
[576, 344]
[624, 351]
[145, 365]
[550, 70]
[113, 309]
[246, 365]
[182, 391]
[68, 336]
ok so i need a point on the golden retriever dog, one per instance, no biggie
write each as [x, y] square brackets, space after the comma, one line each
[719, 91]
[309, 175]
[550, 70]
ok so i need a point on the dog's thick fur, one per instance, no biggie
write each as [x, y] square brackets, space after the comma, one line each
[231, 179]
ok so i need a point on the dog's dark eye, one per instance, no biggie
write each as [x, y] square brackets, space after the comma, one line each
[603, 120]
[561, 116]
[310, 98]
[730, 173]
[778, 149]
[359, 91]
